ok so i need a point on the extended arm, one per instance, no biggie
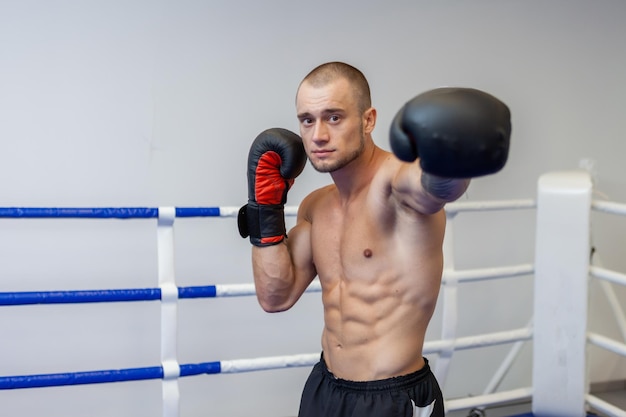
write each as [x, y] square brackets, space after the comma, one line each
[457, 134]
[426, 193]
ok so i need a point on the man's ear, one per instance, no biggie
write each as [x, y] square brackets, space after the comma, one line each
[369, 120]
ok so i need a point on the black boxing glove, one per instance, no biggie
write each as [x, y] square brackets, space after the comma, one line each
[275, 159]
[456, 132]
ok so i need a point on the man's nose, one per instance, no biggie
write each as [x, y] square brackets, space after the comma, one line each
[320, 132]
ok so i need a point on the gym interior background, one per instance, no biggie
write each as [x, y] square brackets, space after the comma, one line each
[154, 103]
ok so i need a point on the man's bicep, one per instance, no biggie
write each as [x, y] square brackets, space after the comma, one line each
[301, 251]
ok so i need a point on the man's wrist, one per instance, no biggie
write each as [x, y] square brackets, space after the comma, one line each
[445, 189]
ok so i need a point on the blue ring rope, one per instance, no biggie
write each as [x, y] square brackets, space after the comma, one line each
[101, 377]
[100, 296]
[93, 296]
[102, 212]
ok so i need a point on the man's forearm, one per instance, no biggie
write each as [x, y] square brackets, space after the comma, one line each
[273, 276]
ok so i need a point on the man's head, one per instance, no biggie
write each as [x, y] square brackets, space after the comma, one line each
[332, 71]
[333, 104]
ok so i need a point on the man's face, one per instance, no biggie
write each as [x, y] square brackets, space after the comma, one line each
[331, 125]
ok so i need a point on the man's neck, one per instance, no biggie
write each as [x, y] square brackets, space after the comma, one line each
[355, 176]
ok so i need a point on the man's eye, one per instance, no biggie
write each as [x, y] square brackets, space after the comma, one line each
[334, 118]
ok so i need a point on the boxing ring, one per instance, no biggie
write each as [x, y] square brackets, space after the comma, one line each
[558, 330]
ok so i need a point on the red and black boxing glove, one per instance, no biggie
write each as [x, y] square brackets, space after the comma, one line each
[276, 158]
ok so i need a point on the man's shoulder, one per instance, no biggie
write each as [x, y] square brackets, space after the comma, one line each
[386, 170]
[320, 194]
[316, 199]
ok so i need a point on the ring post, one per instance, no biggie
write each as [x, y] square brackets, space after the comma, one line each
[562, 254]
[169, 311]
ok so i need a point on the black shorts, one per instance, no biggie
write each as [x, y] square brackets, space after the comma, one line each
[413, 395]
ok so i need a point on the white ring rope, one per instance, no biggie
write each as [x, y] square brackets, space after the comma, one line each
[609, 207]
[498, 398]
[270, 362]
[608, 275]
[604, 407]
[483, 274]
[479, 341]
[240, 290]
[607, 343]
[465, 206]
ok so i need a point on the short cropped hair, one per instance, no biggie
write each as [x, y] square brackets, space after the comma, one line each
[330, 71]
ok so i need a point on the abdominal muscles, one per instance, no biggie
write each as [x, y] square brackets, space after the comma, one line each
[375, 324]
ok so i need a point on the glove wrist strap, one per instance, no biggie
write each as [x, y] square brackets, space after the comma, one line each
[265, 224]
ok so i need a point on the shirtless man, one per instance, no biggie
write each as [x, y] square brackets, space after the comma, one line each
[374, 237]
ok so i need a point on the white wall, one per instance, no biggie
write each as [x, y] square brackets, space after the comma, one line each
[148, 103]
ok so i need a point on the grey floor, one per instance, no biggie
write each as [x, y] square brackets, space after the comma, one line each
[615, 396]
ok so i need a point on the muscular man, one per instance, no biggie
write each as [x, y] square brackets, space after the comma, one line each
[374, 237]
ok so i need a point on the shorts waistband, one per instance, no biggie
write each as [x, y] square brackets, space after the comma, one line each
[393, 383]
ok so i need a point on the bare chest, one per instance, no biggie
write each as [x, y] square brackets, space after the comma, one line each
[350, 243]
[365, 243]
